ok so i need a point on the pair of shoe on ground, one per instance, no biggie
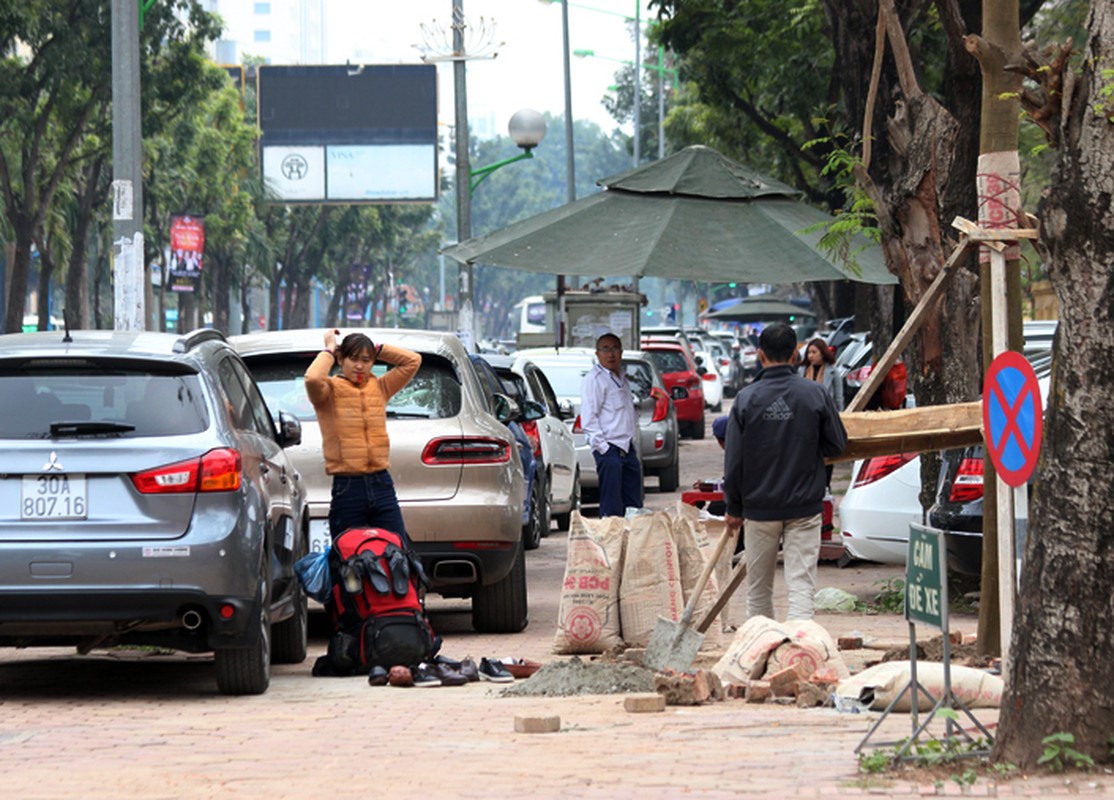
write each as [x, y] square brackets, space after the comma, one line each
[441, 671]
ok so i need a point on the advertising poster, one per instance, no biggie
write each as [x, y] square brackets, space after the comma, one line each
[355, 298]
[187, 246]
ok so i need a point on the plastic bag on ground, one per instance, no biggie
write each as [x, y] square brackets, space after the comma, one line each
[832, 599]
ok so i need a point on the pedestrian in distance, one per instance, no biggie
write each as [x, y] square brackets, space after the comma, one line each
[351, 409]
[610, 424]
[819, 366]
[780, 430]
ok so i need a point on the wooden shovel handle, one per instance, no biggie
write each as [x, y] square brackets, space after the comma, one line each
[697, 590]
[737, 576]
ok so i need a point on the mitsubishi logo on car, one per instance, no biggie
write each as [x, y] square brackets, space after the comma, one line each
[53, 464]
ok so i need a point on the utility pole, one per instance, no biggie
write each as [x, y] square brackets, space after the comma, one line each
[466, 324]
[127, 181]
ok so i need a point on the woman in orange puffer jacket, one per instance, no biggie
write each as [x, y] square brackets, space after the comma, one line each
[351, 409]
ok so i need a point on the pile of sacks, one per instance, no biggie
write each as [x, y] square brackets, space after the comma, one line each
[621, 574]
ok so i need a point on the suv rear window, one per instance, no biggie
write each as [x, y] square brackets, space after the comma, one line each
[434, 393]
[154, 404]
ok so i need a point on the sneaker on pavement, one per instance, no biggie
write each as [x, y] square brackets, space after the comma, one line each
[424, 676]
[493, 670]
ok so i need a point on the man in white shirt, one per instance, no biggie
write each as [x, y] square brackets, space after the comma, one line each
[610, 422]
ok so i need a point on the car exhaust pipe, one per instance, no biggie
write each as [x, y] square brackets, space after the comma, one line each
[191, 620]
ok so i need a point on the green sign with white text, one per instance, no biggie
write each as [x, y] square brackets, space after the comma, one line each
[926, 588]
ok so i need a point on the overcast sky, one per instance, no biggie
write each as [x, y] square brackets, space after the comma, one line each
[528, 71]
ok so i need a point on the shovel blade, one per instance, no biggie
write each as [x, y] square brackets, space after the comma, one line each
[673, 646]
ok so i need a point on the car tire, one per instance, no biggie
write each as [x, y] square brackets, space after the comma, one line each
[247, 670]
[670, 477]
[503, 607]
[539, 517]
[698, 429]
[290, 640]
[564, 520]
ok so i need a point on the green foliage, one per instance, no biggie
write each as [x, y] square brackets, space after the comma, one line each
[891, 597]
[1106, 93]
[876, 762]
[1059, 753]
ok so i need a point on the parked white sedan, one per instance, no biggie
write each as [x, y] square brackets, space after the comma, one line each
[881, 501]
[711, 380]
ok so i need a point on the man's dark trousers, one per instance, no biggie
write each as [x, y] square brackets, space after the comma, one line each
[620, 478]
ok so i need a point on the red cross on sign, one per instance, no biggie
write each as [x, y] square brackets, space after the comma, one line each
[1012, 417]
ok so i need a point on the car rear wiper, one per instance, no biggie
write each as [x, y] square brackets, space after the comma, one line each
[89, 428]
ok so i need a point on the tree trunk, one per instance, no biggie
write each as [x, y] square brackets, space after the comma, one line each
[1063, 644]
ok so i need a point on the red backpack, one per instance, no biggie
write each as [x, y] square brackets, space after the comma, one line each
[376, 604]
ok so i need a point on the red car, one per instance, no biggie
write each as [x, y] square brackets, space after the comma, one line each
[678, 372]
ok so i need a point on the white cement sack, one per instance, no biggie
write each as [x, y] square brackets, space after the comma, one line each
[750, 654]
[651, 579]
[694, 548]
[588, 619]
[880, 684]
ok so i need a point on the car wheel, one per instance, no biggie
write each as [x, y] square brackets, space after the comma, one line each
[502, 607]
[670, 477]
[291, 636]
[532, 530]
[564, 520]
[247, 670]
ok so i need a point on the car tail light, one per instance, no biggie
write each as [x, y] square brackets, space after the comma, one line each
[857, 377]
[879, 467]
[968, 481]
[530, 428]
[710, 376]
[725, 362]
[466, 450]
[216, 471]
[693, 383]
[576, 425]
[661, 405]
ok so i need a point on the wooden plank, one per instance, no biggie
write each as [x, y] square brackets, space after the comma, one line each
[910, 430]
[926, 304]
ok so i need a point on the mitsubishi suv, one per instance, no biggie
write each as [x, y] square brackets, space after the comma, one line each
[146, 499]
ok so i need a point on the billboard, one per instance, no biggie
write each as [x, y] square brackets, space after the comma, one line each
[344, 134]
[187, 249]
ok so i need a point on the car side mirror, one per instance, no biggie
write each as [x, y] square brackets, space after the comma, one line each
[565, 411]
[533, 410]
[289, 429]
[505, 409]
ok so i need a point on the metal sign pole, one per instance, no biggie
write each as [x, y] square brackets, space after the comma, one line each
[1005, 500]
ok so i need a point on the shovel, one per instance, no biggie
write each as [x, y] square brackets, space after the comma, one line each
[674, 645]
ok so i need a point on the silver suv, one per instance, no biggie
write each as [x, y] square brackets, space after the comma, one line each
[146, 498]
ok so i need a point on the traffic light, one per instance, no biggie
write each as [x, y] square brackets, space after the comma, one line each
[401, 300]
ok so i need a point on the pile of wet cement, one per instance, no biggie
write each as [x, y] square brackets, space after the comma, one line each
[575, 677]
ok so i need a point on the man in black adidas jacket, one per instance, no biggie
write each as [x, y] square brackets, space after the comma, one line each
[780, 430]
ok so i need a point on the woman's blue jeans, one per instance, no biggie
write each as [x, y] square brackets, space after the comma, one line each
[365, 501]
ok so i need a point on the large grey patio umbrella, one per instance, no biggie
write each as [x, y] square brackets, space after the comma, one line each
[695, 215]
